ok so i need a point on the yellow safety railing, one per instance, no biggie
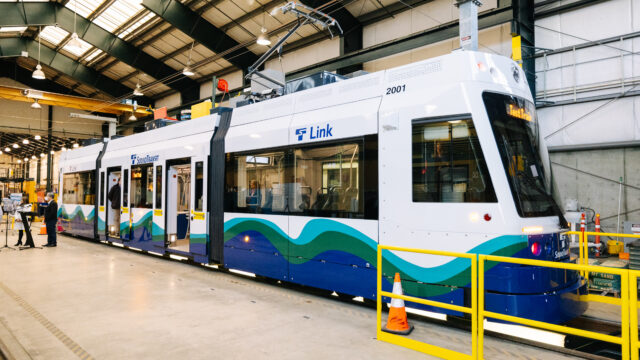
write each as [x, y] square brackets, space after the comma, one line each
[628, 301]
[417, 345]
[623, 340]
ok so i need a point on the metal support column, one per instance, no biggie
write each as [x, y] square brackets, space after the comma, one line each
[468, 24]
[522, 24]
[49, 139]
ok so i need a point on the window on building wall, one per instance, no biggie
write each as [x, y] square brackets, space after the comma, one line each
[448, 164]
[142, 186]
[256, 182]
[79, 188]
[328, 181]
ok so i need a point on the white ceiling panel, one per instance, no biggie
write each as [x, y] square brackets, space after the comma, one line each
[83, 7]
[53, 35]
[118, 13]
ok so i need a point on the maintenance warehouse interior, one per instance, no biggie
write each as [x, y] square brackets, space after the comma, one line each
[349, 179]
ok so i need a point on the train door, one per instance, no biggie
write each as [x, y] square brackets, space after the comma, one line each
[198, 218]
[125, 209]
[113, 189]
[178, 204]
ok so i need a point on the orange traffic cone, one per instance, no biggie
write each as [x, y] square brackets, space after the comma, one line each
[397, 322]
[43, 230]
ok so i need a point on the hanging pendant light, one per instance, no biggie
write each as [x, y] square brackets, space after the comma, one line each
[43, 155]
[263, 38]
[36, 105]
[25, 141]
[37, 137]
[138, 91]
[33, 157]
[7, 149]
[52, 152]
[75, 41]
[15, 146]
[132, 117]
[63, 149]
[38, 73]
[187, 71]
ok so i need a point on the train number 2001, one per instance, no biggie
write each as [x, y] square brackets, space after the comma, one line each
[396, 89]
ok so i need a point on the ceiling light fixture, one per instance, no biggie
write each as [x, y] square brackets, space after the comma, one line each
[37, 137]
[0, 152]
[75, 145]
[187, 71]
[52, 152]
[43, 155]
[19, 161]
[26, 159]
[63, 149]
[38, 73]
[75, 42]
[36, 104]
[263, 38]
[138, 91]
[132, 117]
[15, 146]
[25, 141]
[33, 157]
[7, 149]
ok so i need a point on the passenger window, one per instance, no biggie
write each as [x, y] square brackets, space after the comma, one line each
[159, 187]
[125, 192]
[255, 183]
[199, 186]
[79, 188]
[328, 181]
[448, 164]
[142, 186]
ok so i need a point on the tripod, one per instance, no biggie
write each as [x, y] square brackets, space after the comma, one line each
[6, 235]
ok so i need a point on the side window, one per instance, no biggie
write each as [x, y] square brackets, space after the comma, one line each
[125, 192]
[199, 186]
[79, 188]
[159, 187]
[328, 181]
[448, 164]
[102, 187]
[255, 182]
[142, 186]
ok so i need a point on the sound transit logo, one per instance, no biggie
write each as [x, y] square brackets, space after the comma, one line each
[315, 132]
[147, 159]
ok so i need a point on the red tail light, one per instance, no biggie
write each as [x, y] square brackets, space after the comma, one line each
[536, 248]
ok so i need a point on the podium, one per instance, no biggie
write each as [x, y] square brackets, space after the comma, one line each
[28, 244]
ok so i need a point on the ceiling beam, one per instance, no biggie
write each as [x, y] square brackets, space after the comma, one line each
[13, 47]
[51, 13]
[202, 31]
[12, 70]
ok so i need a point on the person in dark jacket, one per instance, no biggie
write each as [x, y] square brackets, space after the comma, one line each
[50, 220]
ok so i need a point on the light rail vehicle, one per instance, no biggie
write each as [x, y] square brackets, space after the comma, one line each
[442, 154]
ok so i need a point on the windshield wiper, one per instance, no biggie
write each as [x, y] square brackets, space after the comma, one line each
[564, 224]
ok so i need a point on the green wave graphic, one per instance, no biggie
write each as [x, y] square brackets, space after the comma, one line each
[321, 235]
[77, 211]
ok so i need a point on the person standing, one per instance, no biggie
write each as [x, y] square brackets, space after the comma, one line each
[50, 220]
[114, 197]
[17, 221]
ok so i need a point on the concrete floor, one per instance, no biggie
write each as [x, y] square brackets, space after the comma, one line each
[86, 300]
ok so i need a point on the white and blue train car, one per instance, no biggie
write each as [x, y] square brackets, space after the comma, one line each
[442, 154]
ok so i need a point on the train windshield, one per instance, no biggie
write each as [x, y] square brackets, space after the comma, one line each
[515, 128]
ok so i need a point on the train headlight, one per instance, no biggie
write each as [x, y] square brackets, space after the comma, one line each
[474, 217]
[536, 249]
[532, 229]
